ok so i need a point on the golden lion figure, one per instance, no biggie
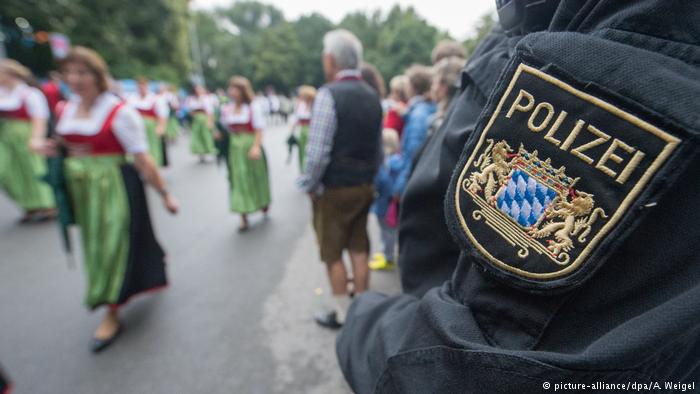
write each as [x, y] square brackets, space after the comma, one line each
[493, 168]
[575, 219]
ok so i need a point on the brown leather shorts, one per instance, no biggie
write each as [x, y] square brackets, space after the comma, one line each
[340, 220]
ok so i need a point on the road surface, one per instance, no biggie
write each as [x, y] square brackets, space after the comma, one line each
[236, 317]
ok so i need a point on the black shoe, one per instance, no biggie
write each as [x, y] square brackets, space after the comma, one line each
[327, 319]
[44, 216]
[98, 345]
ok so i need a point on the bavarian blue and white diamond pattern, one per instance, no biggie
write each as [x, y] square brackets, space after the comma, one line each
[524, 199]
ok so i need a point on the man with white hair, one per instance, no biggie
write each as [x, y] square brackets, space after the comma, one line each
[343, 155]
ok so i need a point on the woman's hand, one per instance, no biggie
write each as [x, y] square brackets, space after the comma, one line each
[171, 204]
[43, 146]
[218, 136]
[147, 168]
[254, 152]
[78, 149]
[160, 130]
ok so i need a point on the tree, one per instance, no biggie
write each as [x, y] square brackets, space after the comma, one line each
[252, 16]
[231, 39]
[223, 52]
[310, 30]
[130, 42]
[366, 27]
[483, 27]
[401, 39]
[41, 15]
[280, 63]
[248, 38]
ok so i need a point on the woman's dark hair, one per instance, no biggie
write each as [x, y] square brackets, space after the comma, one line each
[373, 77]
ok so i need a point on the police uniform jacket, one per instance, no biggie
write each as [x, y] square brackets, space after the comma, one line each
[574, 206]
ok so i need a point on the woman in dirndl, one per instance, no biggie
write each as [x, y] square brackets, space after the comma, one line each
[248, 175]
[168, 95]
[95, 133]
[23, 121]
[199, 106]
[155, 111]
[302, 120]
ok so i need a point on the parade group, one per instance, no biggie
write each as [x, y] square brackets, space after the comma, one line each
[77, 149]
[525, 264]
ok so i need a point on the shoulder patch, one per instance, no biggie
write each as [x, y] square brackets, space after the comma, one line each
[551, 175]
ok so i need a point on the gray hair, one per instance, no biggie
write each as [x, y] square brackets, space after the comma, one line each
[345, 48]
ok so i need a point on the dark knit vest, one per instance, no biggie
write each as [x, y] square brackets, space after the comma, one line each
[355, 156]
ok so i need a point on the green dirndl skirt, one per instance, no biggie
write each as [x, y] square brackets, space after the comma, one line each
[250, 185]
[122, 256]
[202, 142]
[303, 141]
[21, 169]
[155, 144]
[172, 129]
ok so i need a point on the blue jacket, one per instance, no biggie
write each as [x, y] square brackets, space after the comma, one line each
[384, 184]
[414, 133]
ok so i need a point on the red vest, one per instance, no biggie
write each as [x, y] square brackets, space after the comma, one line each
[149, 112]
[21, 113]
[394, 121]
[301, 121]
[243, 127]
[104, 142]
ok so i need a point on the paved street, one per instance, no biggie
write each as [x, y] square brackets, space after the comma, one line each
[235, 319]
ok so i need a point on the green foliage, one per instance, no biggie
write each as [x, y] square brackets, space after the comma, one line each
[405, 39]
[253, 40]
[221, 51]
[250, 38]
[278, 65]
[252, 16]
[310, 30]
[483, 27]
[366, 27]
[135, 37]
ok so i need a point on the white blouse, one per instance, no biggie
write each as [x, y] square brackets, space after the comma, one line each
[145, 103]
[213, 101]
[171, 99]
[197, 103]
[302, 111]
[33, 98]
[127, 124]
[228, 115]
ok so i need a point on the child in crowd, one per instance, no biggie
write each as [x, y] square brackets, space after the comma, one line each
[385, 206]
[302, 120]
[417, 119]
[396, 104]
